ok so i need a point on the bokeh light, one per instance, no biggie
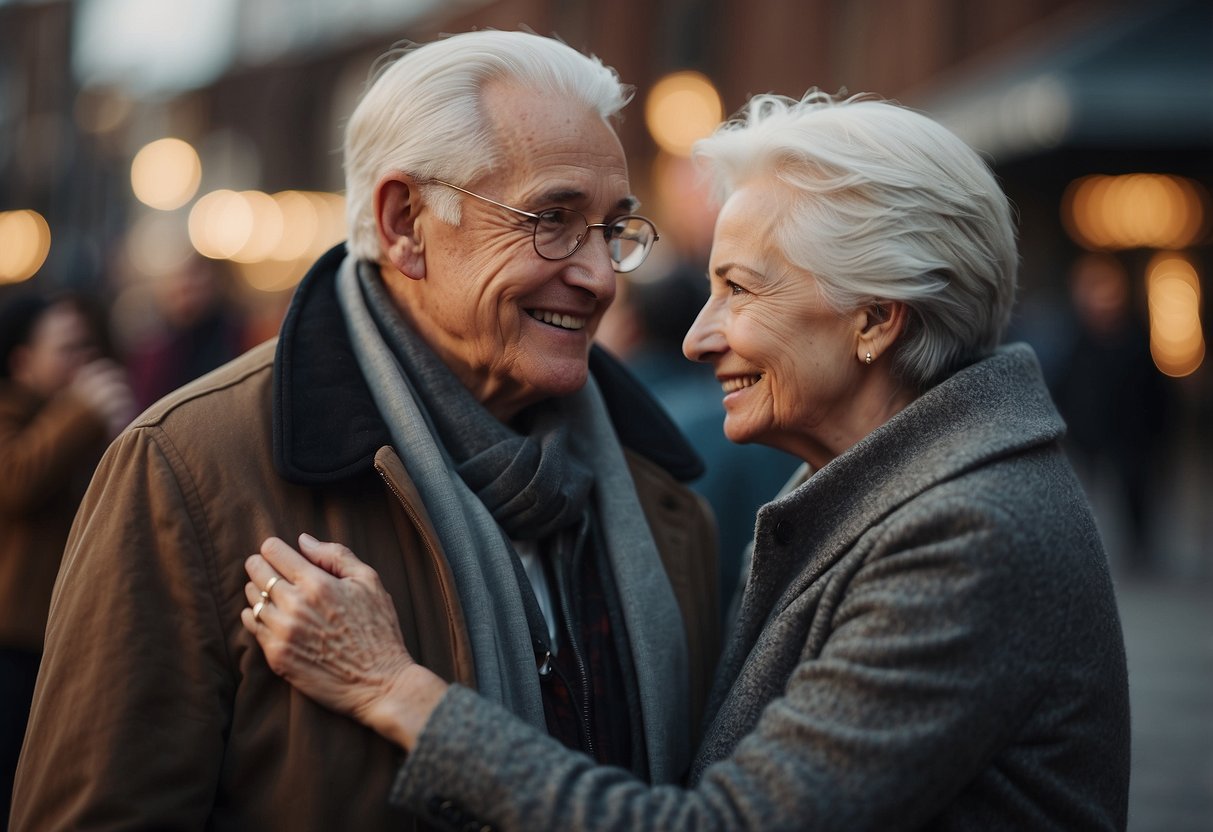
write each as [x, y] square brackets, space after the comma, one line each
[1134, 211]
[25, 242]
[682, 108]
[300, 225]
[220, 224]
[1177, 340]
[272, 240]
[264, 231]
[165, 174]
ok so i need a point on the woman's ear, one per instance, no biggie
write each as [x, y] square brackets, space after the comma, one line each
[881, 324]
[397, 207]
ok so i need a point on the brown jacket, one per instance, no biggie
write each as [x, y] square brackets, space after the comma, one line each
[48, 449]
[154, 708]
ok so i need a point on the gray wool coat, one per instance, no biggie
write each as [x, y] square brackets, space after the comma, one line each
[928, 640]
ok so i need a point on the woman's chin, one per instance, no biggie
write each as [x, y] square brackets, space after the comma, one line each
[738, 432]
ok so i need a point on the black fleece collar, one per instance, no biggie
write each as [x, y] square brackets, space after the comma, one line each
[326, 425]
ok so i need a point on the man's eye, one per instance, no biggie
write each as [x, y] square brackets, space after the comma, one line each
[734, 289]
[554, 218]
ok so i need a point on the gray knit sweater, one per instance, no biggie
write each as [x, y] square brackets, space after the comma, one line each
[928, 639]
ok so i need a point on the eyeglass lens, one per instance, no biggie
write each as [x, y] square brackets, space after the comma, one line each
[560, 231]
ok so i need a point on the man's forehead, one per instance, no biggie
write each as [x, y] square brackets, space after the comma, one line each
[555, 149]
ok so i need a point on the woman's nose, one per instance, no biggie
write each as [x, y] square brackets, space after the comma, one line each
[705, 338]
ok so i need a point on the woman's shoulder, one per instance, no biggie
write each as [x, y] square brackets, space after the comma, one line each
[1031, 500]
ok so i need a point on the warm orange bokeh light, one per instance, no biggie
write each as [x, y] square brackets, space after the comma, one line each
[265, 228]
[220, 223]
[1134, 211]
[165, 174]
[1177, 340]
[272, 239]
[300, 224]
[682, 108]
[25, 243]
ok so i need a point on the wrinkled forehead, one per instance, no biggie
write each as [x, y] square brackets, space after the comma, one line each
[551, 139]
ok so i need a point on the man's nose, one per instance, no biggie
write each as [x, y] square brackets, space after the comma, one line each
[592, 269]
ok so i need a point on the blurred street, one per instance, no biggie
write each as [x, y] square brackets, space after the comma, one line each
[1167, 615]
[1168, 625]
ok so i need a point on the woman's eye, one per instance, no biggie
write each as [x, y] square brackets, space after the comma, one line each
[734, 289]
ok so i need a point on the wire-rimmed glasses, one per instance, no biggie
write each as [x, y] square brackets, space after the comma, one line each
[560, 232]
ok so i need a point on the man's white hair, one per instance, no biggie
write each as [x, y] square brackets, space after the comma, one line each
[886, 204]
[423, 115]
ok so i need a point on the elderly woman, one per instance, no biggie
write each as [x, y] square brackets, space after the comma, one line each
[928, 636]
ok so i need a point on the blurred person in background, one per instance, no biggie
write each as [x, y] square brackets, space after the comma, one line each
[645, 327]
[1115, 402]
[432, 397]
[200, 330]
[60, 403]
[928, 637]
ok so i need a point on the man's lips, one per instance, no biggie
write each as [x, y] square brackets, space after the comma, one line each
[558, 319]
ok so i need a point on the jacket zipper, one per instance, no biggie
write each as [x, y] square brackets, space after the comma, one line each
[415, 518]
[410, 511]
[575, 646]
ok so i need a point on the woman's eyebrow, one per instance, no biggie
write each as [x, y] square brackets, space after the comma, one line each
[724, 268]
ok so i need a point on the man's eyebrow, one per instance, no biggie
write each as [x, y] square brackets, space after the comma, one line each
[566, 196]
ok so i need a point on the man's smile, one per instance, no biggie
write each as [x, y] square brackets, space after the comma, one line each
[558, 319]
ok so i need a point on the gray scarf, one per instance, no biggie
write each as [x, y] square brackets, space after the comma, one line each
[531, 486]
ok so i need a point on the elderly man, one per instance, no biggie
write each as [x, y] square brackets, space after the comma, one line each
[433, 401]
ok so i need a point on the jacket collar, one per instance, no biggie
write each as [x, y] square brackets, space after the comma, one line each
[327, 428]
[995, 408]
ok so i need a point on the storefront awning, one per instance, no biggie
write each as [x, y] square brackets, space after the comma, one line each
[1142, 77]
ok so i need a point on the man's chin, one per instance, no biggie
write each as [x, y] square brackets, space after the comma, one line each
[559, 379]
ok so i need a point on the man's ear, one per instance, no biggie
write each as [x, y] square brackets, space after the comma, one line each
[397, 207]
[881, 323]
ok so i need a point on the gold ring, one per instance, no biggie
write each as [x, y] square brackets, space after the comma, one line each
[265, 593]
[257, 608]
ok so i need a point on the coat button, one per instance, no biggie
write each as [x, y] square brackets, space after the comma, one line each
[784, 533]
[446, 810]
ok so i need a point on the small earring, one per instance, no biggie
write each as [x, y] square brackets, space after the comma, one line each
[868, 358]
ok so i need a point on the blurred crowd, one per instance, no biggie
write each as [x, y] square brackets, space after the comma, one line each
[65, 393]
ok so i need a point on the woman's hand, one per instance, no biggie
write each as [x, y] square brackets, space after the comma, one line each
[327, 626]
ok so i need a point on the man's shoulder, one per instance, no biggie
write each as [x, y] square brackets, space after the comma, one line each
[231, 392]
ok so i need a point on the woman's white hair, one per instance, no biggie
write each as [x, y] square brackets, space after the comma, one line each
[886, 205]
[422, 115]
